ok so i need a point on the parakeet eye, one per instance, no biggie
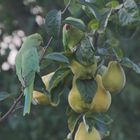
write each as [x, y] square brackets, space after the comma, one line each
[67, 26]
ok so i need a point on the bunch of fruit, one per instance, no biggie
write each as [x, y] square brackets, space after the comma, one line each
[109, 80]
[85, 67]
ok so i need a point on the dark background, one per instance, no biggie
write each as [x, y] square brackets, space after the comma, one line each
[19, 18]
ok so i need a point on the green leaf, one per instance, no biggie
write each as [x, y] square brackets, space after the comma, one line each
[138, 4]
[113, 46]
[85, 54]
[91, 8]
[57, 85]
[99, 120]
[89, 121]
[39, 84]
[93, 25]
[104, 20]
[53, 22]
[112, 41]
[67, 139]
[59, 57]
[75, 22]
[103, 51]
[104, 129]
[56, 92]
[130, 64]
[74, 8]
[89, 1]
[118, 52]
[87, 89]
[103, 122]
[73, 117]
[4, 95]
[103, 118]
[58, 76]
[112, 4]
[129, 13]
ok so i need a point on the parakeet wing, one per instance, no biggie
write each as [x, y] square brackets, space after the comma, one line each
[30, 65]
[18, 63]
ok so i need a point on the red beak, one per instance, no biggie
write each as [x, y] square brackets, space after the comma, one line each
[67, 26]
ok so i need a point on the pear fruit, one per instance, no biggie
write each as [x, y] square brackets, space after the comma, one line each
[75, 100]
[102, 99]
[100, 102]
[83, 134]
[46, 79]
[83, 72]
[40, 98]
[114, 78]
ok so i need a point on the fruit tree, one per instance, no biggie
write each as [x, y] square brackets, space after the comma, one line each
[90, 66]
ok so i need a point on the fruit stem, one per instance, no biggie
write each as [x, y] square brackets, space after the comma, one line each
[76, 126]
[99, 66]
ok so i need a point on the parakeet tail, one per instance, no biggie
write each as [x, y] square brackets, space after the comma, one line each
[28, 93]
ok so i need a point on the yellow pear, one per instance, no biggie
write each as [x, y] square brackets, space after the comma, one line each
[114, 78]
[46, 79]
[83, 134]
[100, 102]
[40, 98]
[102, 99]
[75, 100]
[81, 71]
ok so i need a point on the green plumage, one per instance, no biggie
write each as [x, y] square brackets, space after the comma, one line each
[27, 64]
[72, 35]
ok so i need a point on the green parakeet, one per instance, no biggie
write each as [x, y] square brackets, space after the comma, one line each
[71, 34]
[27, 64]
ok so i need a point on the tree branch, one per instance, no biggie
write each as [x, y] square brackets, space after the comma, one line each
[12, 107]
[115, 10]
[76, 126]
[67, 6]
[45, 49]
[96, 37]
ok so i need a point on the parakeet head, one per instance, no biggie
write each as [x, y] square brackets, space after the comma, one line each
[35, 39]
[70, 29]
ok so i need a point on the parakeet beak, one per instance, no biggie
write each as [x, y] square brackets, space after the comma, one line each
[67, 26]
[41, 44]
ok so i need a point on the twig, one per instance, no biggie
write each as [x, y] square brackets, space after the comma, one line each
[20, 107]
[135, 33]
[96, 37]
[99, 66]
[67, 6]
[11, 108]
[76, 126]
[45, 50]
[115, 10]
